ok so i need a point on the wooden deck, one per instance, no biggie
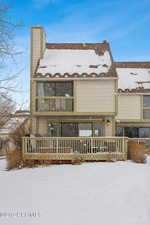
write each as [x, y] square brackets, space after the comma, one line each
[72, 148]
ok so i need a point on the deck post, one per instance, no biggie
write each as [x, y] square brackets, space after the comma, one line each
[57, 145]
[23, 145]
[125, 147]
[91, 146]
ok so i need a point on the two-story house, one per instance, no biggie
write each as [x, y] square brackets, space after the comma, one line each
[73, 88]
[133, 99]
[81, 99]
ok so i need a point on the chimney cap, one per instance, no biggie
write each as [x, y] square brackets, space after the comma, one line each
[37, 26]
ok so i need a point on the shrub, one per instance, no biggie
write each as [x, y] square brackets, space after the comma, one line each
[14, 155]
[136, 152]
[14, 159]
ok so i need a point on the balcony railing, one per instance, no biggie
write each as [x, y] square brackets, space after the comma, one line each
[65, 148]
[54, 104]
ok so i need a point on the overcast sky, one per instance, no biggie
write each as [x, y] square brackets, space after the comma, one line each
[123, 23]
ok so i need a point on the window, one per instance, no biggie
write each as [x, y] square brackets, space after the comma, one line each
[146, 107]
[54, 129]
[55, 89]
[49, 89]
[146, 101]
[131, 132]
[98, 129]
[69, 130]
[119, 131]
[146, 113]
[74, 129]
[63, 89]
[144, 132]
[85, 129]
[48, 94]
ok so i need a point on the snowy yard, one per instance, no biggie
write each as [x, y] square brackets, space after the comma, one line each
[88, 194]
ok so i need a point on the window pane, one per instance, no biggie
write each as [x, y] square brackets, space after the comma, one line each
[144, 132]
[40, 89]
[45, 89]
[54, 129]
[132, 132]
[69, 130]
[98, 129]
[49, 89]
[64, 89]
[55, 89]
[85, 129]
[146, 101]
[119, 131]
[146, 113]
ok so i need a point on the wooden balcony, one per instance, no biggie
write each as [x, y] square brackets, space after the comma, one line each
[71, 148]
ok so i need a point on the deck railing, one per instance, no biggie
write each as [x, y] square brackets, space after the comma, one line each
[144, 141]
[54, 104]
[77, 146]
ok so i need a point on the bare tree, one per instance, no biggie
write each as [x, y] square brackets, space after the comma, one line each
[7, 54]
[7, 106]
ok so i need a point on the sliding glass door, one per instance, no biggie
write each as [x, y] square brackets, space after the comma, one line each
[69, 130]
[75, 129]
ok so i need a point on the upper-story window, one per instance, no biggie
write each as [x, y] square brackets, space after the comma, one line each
[146, 107]
[55, 89]
[54, 97]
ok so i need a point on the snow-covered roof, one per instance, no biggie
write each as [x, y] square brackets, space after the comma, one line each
[130, 77]
[75, 60]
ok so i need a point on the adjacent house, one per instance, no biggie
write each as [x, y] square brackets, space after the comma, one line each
[79, 91]
[133, 99]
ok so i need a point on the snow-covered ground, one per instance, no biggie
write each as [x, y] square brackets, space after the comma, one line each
[88, 194]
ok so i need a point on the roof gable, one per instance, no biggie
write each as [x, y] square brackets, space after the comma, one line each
[76, 59]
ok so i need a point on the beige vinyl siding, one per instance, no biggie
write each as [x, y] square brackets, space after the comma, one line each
[129, 107]
[42, 126]
[36, 47]
[95, 96]
[33, 125]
